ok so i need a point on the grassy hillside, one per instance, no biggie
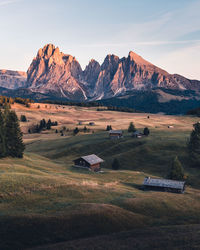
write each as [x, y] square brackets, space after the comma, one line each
[44, 200]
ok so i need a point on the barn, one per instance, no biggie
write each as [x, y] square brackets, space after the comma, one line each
[115, 134]
[92, 162]
[164, 185]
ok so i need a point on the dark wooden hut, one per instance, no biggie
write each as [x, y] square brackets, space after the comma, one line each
[137, 134]
[164, 185]
[115, 134]
[92, 162]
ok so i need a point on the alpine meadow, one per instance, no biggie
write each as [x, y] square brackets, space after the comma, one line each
[102, 150]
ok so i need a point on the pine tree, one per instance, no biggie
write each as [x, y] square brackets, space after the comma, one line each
[146, 131]
[194, 145]
[85, 129]
[13, 135]
[2, 136]
[48, 126]
[115, 164]
[23, 118]
[177, 172]
[131, 127]
[76, 131]
[109, 127]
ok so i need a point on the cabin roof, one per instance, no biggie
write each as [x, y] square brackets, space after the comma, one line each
[92, 159]
[137, 133]
[163, 183]
[115, 131]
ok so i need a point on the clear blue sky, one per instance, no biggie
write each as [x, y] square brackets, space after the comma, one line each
[167, 33]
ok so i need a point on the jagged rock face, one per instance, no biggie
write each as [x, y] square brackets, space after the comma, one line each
[91, 73]
[55, 72]
[12, 79]
[135, 73]
[61, 75]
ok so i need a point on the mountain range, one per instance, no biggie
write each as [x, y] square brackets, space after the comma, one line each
[55, 75]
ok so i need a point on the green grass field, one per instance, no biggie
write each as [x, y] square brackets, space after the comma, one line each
[44, 200]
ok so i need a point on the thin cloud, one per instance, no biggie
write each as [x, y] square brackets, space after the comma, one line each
[4, 3]
[142, 43]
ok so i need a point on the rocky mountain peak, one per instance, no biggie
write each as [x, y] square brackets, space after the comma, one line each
[91, 72]
[54, 71]
[132, 56]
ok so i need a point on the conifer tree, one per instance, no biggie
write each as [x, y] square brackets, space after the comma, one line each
[115, 164]
[48, 125]
[146, 131]
[177, 172]
[76, 131]
[13, 135]
[194, 145]
[131, 127]
[2, 136]
[23, 118]
[85, 129]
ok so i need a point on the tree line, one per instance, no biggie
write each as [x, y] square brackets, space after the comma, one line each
[7, 101]
[11, 142]
[43, 125]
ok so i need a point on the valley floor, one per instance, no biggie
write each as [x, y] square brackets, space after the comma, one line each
[44, 200]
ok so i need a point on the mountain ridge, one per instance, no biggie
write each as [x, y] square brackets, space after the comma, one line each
[55, 75]
[61, 73]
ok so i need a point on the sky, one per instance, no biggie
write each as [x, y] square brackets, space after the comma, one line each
[166, 33]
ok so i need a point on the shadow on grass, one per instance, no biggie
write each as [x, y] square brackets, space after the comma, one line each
[133, 185]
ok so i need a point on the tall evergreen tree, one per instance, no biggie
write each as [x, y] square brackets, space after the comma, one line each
[146, 131]
[115, 164]
[177, 172]
[76, 131]
[131, 127]
[2, 136]
[194, 145]
[48, 126]
[13, 135]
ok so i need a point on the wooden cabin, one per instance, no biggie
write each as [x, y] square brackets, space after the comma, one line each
[164, 185]
[115, 134]
[92, 162]
[137, 134]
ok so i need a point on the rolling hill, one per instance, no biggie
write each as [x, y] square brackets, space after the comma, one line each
[44, 200]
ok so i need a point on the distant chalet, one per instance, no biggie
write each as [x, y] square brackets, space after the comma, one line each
[164, 185]
[137, 134]
[115, 134]
[92, 162]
